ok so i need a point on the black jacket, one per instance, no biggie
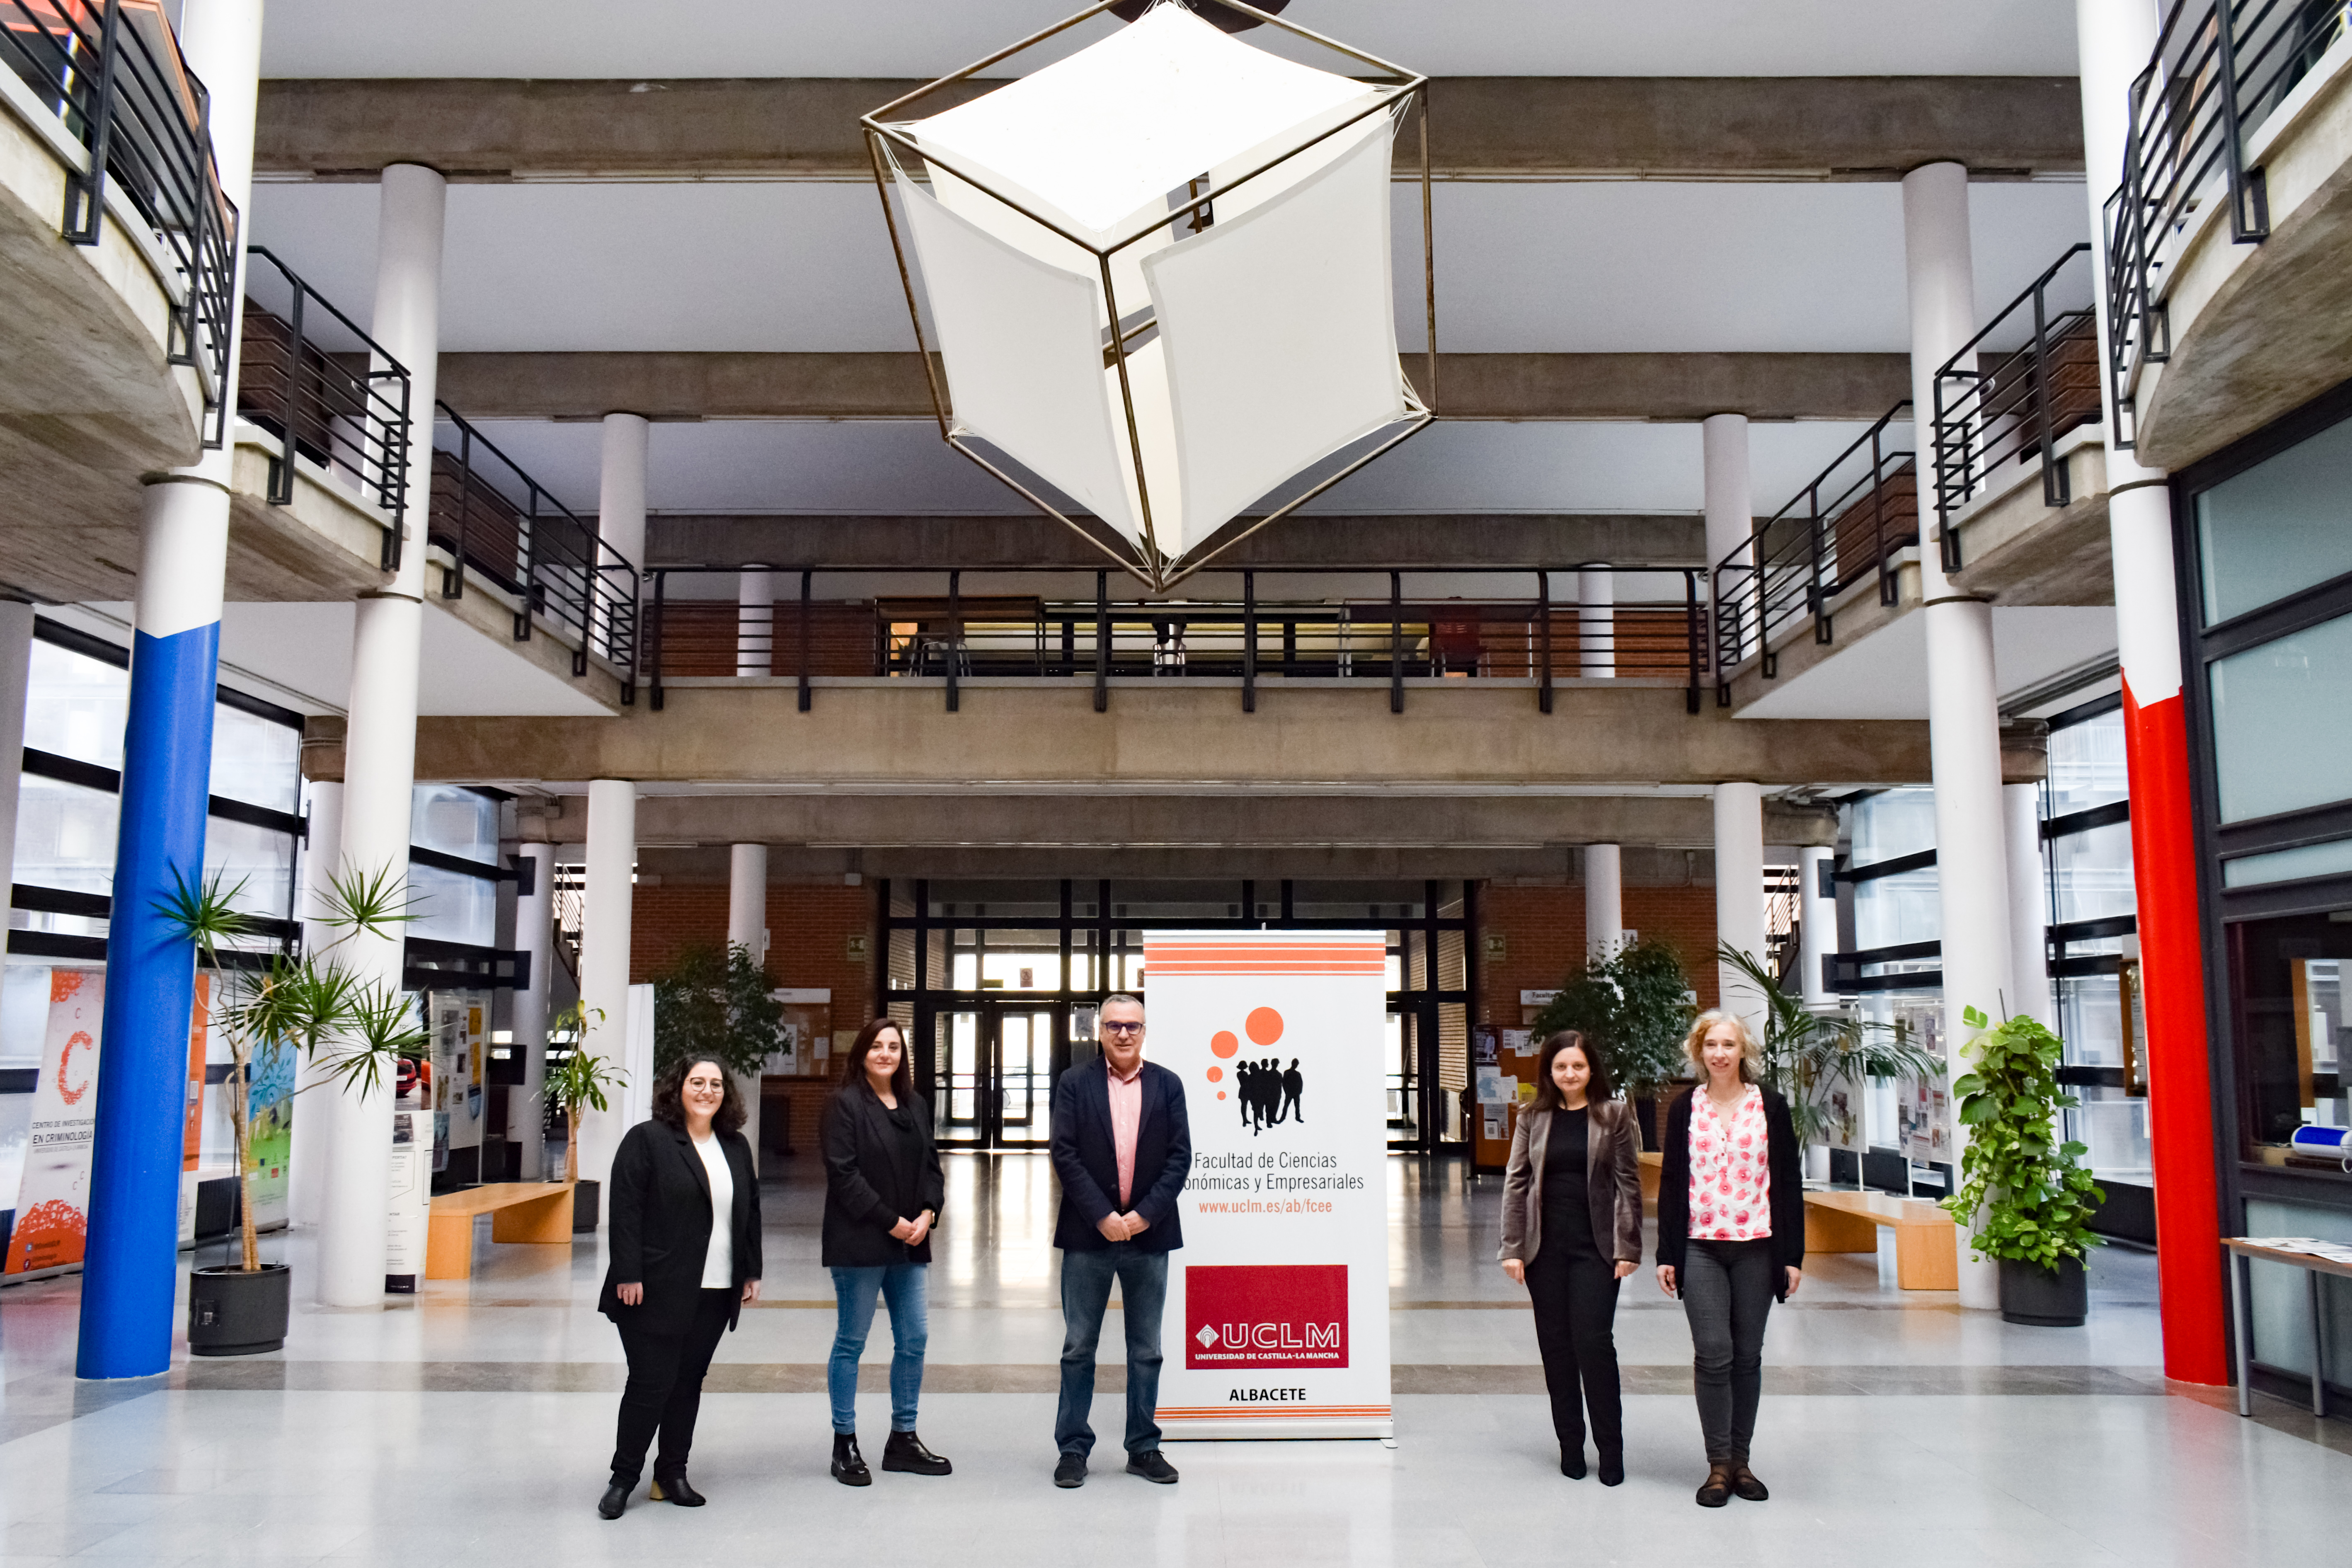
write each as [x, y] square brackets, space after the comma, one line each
[875, 1175]
[1087, 1162]
[658, 1203]
[1782, 1164]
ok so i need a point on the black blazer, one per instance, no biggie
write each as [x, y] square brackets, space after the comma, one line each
[658, 1203]
[1782, 1164]
[1087, 1162]
[866, 1190]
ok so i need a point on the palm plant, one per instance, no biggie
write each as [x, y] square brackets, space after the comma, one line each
[350, 1029]
[578, 1082]
[1804, 1050]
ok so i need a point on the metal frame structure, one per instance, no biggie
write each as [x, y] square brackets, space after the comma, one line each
[885, 144]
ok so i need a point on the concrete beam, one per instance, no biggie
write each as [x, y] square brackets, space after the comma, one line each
[662, 384]
[1319, 540]
[1184, 738]
[1814, 128]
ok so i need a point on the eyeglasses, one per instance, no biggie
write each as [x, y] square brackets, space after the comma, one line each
[1122, 1029]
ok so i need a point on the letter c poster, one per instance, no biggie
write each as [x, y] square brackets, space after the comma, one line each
[1277, 1317]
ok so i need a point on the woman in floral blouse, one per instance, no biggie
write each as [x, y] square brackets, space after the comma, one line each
[1732, 1238]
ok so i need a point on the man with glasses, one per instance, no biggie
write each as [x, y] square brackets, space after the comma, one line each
[1122, 1147]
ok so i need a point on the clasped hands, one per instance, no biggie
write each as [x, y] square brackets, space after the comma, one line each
[913, 1231]
[1123, 1226]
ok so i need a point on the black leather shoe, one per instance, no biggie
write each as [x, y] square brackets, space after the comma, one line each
[1612, 1469]
[1571, 1462]
[615, 1499]
[905, 1451]
[1744, 1483]
[1070, 1470]
[674, 1488]
[848, 1463]
[1151, 1467]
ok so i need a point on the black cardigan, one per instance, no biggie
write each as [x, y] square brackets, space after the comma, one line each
[1782, 1164]
[657, 1201]
[866, 1190]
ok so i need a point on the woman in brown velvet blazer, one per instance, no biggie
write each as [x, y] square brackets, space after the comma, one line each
[1571, 1230]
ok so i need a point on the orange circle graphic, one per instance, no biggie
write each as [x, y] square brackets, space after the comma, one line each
[1223, 1044]
[1217, 1075]
[1221, 1094]
[1264, 1026]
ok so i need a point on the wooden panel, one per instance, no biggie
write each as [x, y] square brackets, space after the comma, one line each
[699, 637]
[1874, 527]
[475, 523]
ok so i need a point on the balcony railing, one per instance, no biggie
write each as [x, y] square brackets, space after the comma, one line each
[960, 635]
[307, 374]
[2029, 378]
[111, 74]
[2221, 68]
[501, 525]
[1845, 526]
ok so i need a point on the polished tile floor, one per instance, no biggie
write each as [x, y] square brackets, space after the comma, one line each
[470, 1426]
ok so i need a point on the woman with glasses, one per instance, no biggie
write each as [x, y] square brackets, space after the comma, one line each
[883, 1190]
[1571, 1230]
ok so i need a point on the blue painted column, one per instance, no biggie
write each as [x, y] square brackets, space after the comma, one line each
[132, 1259]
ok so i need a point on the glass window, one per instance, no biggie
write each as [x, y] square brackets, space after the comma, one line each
[256, 760]
[2087, 766]
[2091, 874]
[2286, 993]
[2278, 527]
[1891, 910]
[2288, 865]
[455, 821]
[2283, 722]
[1892, 824]
[75, 707]
[2089, 1013]
[453, 907]
[256, 861]
[65, 835]
[2114, 1126]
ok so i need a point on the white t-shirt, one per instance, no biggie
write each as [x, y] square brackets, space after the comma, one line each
[719, 1262]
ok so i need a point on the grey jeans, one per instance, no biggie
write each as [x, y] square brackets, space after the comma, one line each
[1727, 1289]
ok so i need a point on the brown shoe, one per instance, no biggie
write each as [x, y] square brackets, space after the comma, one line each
[1715, 1490]
[1744, 1483]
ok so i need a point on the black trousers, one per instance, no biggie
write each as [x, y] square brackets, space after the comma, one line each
[1727, 1288]
[664, 1389]
[1575, 1301]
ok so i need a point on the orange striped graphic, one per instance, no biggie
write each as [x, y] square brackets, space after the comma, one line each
[1265, 958]
[1293, 1412]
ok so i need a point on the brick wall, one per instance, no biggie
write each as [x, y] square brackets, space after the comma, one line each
[1543, 939]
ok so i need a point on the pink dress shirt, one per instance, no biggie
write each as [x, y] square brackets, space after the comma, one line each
[1126, 1117]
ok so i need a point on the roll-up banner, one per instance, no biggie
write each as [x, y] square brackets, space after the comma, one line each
[1277, 1317]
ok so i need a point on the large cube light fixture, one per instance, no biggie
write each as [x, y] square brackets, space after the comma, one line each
[1160, 273]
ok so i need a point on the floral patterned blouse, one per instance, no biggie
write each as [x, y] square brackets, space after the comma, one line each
[1730, 1180]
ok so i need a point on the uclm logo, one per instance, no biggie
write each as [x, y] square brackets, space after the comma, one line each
[1266, 1315]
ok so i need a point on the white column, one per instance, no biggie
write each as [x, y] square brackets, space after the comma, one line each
[535, 935]
[1739, 893]
[1816, 923]
[747, 927]
[306, 1164]
[755, 621]
[2029, 906]
[1963, 699]
[1604, 899]
[380, 748]
[1596, 624]
[604, 922]
[16, 676]
[1730, 511]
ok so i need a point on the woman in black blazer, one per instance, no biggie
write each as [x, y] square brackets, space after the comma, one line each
[1571, 1230]
[679, 1274]
[883, 1190]
[1732, 1238]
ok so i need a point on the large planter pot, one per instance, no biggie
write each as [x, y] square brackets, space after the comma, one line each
[233, 1313]
[2037, 1296]
[585, 1198]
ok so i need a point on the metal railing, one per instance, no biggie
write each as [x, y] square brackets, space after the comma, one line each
[2221, 68]
[330, 393]
[2000, 401]
[1848, 524]
[111, 73]
[497, 522]
[962, 635]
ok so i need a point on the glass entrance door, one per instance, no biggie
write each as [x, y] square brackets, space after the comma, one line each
[993, 1076]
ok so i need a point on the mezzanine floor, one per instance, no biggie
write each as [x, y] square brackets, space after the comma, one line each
[471, 1425]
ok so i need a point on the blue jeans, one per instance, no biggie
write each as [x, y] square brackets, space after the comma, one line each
[1085, 1294]
[854, 1289]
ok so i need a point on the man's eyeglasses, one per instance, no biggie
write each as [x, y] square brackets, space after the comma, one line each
[1122, 1029]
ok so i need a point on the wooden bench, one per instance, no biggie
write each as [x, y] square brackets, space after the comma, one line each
[1652, 1168]
[1927, 1242]
[537, 1214]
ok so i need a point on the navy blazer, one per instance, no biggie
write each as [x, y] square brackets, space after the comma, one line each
[1087, 1162]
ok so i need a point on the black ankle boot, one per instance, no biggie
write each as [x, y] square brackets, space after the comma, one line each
[1571, 1462]
[1612, 1466]
[615, 1499]
[848, 1463]
[905, 1451]
[675, 1488]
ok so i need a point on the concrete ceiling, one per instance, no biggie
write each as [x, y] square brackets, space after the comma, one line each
[305, 650]
[1885, 675]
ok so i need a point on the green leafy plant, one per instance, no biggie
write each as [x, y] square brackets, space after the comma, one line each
[716, 1004]
[350, 1029]
[1635, 1006]
[578, 1082]
[2027, 1194]
[1804, 1051]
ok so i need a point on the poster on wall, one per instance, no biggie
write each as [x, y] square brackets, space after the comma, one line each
[1278, 1315]
[408, 1217]
[269, 1132]
[53, 1196]
[192, 1129]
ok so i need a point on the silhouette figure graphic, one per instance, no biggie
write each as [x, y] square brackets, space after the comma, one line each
[1292, 1084]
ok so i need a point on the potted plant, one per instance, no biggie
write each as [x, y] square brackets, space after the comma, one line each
[574, 1086]
[351, 1029]
[2026, 1193]
[716, 1004]
[1635, 1006]
[1805, 1051]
